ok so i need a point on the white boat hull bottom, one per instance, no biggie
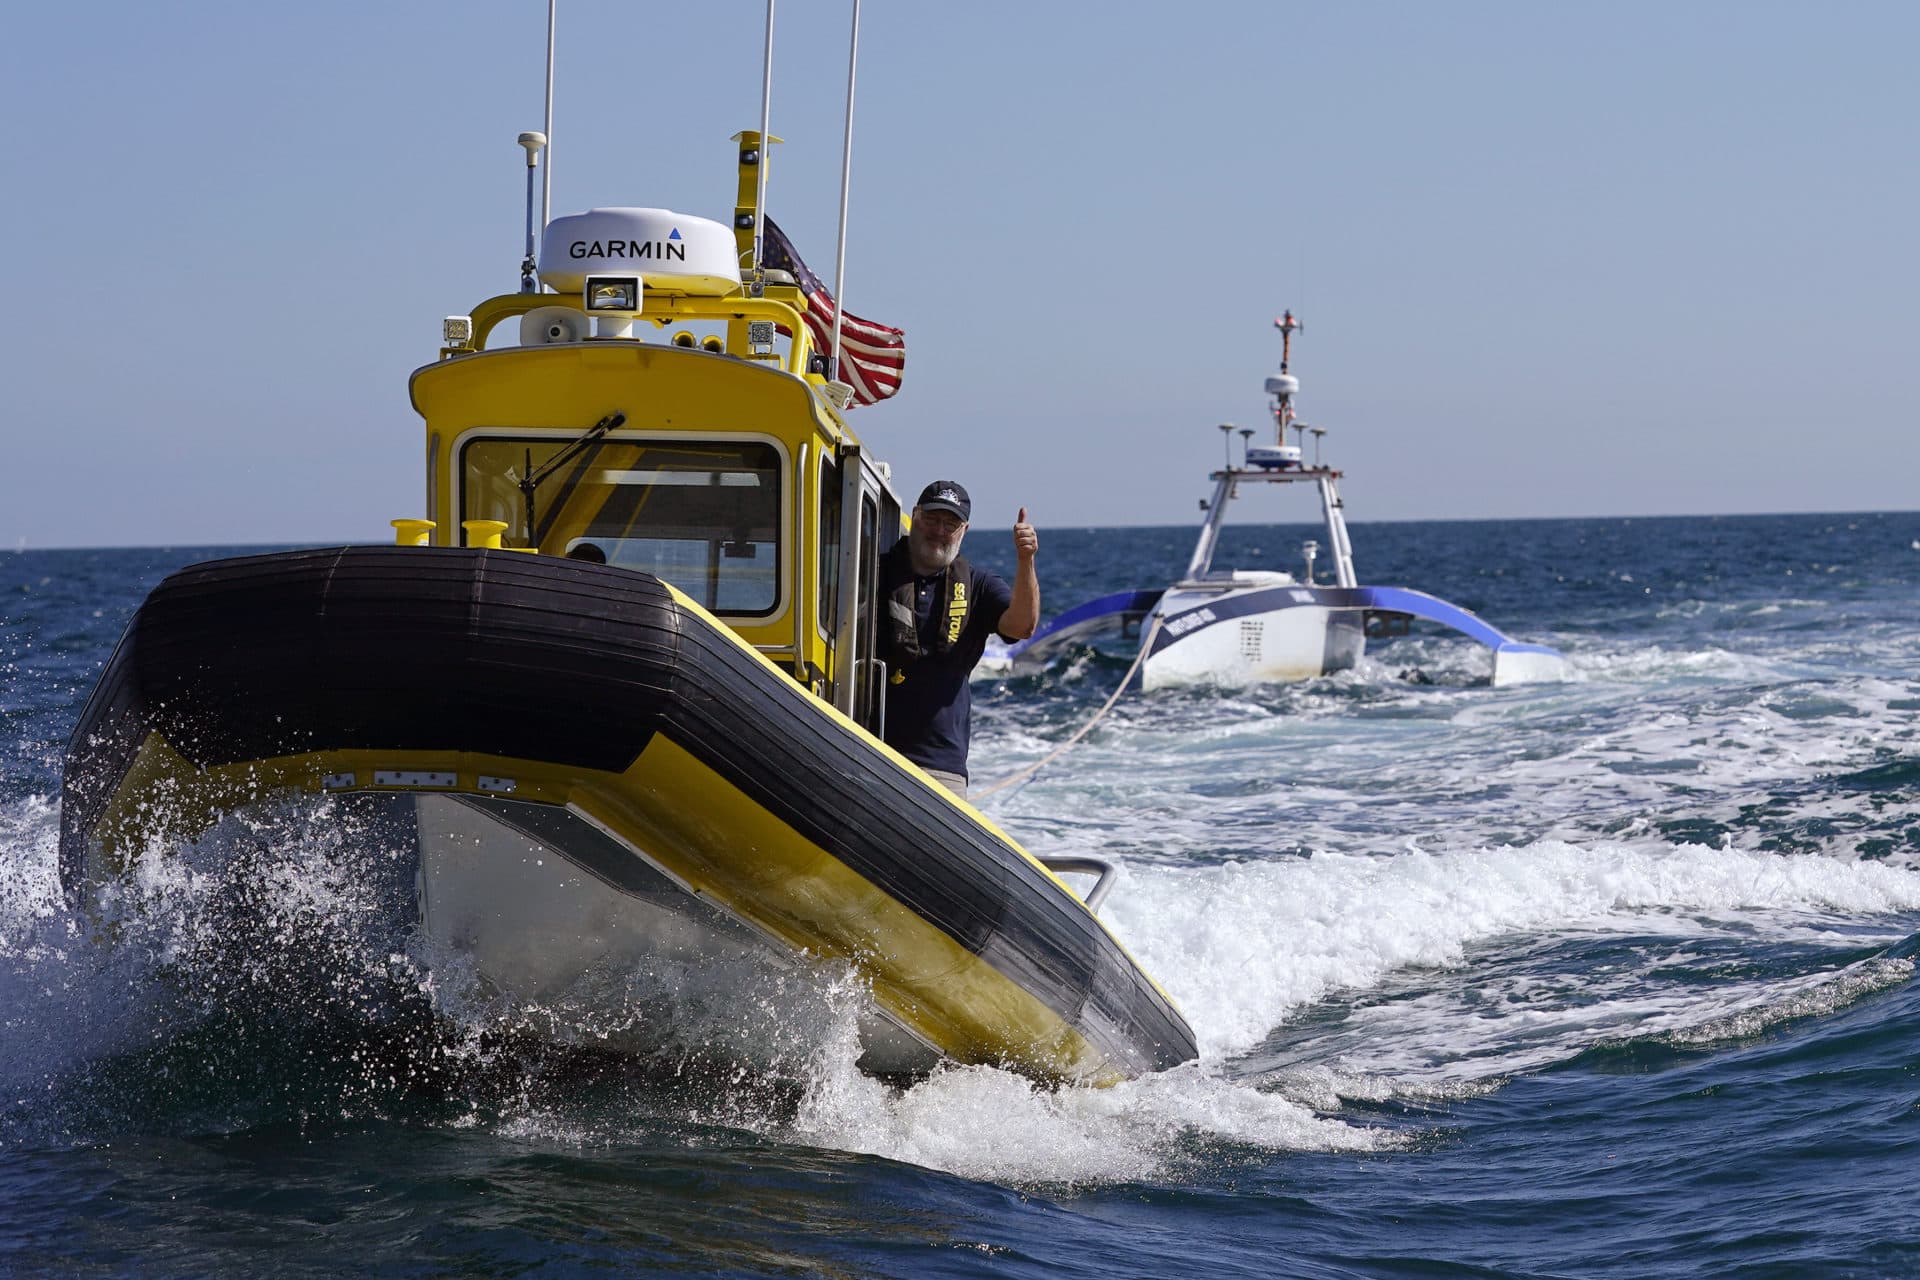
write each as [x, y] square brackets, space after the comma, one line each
[1291, 644]
[591, 944]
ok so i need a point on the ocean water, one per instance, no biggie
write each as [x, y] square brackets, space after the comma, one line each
[1604, 977]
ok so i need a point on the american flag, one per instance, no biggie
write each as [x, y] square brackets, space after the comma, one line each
[872, 356]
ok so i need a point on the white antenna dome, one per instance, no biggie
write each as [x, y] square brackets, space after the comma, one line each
[671, 252]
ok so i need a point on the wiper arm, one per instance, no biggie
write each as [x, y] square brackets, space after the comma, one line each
[533, 478]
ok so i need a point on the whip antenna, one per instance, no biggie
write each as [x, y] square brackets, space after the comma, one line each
[546, 170]
[846, 178]
[760, 178]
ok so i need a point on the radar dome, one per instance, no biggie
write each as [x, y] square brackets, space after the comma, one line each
[671, 252]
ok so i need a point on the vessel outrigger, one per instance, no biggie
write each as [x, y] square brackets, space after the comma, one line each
[621, 678]
[1246, 626]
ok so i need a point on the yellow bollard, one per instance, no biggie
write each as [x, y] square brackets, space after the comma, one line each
[411, 533]
[484, 533]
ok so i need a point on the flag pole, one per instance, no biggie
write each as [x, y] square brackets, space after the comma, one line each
[846, 179]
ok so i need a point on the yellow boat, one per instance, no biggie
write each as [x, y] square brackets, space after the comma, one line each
[673, 753]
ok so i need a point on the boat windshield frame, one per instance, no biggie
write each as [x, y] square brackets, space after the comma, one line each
[736, 508]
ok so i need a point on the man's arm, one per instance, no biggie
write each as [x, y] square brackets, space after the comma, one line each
[1023, 612]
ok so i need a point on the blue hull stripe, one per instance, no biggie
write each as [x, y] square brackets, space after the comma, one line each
[1434, 609]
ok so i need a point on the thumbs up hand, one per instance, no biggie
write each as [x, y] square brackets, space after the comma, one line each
[1026, 542]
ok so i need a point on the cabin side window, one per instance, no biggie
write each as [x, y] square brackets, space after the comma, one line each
[705, 515]
[869, 697]
[829, 611]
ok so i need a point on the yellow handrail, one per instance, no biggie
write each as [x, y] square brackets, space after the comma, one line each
[662, 309]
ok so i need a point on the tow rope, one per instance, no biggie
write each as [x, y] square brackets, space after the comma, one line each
[1146, 643]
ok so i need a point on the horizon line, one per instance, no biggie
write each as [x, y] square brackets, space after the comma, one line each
[22, 546]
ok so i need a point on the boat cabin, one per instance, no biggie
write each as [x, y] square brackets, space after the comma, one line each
[661, 412]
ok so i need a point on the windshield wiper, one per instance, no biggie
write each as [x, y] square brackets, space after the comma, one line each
[594, 434]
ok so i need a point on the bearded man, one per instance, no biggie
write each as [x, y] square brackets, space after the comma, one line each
[940, 610]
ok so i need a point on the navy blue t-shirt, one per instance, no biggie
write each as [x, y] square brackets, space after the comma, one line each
[930, 713]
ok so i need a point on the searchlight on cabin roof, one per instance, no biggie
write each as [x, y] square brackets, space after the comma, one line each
[613, 302]
[612, 293]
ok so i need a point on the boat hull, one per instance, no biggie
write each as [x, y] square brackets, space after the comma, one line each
[1226, 634]
[696, 801]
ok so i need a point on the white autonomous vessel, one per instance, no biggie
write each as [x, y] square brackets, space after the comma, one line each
[1248, 626]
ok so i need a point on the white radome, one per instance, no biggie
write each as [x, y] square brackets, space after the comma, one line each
[671, 252]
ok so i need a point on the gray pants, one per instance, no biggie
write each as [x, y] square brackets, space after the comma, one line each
[951, 781]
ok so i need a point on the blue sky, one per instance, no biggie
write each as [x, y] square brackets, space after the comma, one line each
[1553, 259]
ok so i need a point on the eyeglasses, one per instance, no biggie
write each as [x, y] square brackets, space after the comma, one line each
[944, 521]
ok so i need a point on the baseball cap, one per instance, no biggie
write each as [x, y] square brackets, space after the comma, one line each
[946, 495]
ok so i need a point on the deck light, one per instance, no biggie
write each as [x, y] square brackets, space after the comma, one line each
[457, 332]
[614, 302]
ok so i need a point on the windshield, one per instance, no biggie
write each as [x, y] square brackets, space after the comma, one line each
[704, 515]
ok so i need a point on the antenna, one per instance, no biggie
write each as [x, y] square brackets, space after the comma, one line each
[546, 173]
[533, 142]
[846, 177]
[1287, 326]
[1317, 433]
[1246, 438]
[1283, 384]
[758, 286]
[1226, 443]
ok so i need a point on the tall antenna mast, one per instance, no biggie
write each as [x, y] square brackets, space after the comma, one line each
[1282, 385]
[760, 178]
[846, 179]
[546, 171]
[1287, 326]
